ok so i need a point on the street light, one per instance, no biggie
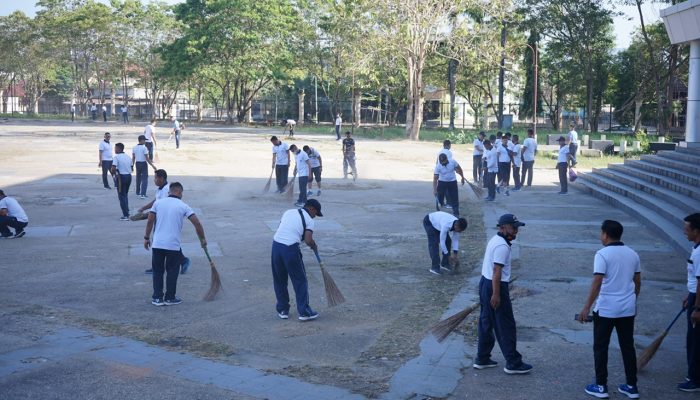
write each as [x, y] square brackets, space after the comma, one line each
[535, 61]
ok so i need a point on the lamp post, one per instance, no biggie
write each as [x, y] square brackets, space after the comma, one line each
[535, 61]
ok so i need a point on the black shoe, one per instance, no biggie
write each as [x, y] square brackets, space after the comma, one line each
[19, 233]
[484, 364]
[173, 302]
[157, 302]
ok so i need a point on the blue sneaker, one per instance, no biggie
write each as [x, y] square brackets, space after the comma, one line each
[599, 391]
[435, 271]
[688, 386]
[173, 302]
[185, 266]
[523, 368]
[484, 364]
[629, 391]
[157, 302]
[308, 317]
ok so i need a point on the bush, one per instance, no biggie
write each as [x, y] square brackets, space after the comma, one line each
[461, 137]
[643, 139]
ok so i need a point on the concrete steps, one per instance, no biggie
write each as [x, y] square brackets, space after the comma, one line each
[659, 190]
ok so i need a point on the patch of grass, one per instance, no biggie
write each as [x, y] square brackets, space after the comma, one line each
[549, 160]
[34, 116]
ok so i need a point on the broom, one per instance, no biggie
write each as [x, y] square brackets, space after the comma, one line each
[155, 154]
[215, 284]
[478, 191]
[649, 352]
[442, 329]
[269, 181]
[437, 204]
[333, 294]
[290, 189]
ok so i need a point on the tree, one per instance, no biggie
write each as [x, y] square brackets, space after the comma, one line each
[526, 107]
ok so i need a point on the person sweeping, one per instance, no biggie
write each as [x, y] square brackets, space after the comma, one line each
[296, 225]
[614, 290]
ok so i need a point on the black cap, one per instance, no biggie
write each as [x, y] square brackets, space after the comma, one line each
[510, 219]
[142, 137]
[315, 204]
[561, 138]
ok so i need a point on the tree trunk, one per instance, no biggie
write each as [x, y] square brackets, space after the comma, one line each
[452, 81]
[410, 93]
[501, 78]
[200, 104]
[357, 107]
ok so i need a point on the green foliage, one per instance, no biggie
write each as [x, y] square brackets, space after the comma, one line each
[462, 137]
[643, 139]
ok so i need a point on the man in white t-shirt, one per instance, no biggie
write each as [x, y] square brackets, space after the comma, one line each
[445, 182]
[572, 141]
[72, 113]
[121, 169]
[150, 133]
[491, 169]
[280, 163]
[302, 169]
[504, 162]
[477, 157]
[528, 153]
[563, 165]
[139, 158]
[494, 298]
[691, 229]
[338, 125]
[104, 113]
[11, 215]
[613, 296]
[125, 113]
[105, 158]
[167, 216]
[296, 225]
[517, 162]
[446, 146]
[177, 130]
[289, 124]
[93, 111]
[316, 169]
[443, 231]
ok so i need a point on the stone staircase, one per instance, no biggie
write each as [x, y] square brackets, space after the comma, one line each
[659, 190]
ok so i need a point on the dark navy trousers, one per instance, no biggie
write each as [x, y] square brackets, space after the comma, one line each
[692, 343]
[123, 193]
[499, 321]
[287, 264]
[434, 245]
[165, 261]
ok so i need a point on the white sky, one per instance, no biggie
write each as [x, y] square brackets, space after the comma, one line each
[624, 25]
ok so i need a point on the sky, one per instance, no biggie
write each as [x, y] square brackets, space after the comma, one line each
[624, 24]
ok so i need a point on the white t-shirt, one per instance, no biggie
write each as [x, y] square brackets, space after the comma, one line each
[503, 154]
[573, 137]
[338, 121]
[497, 252]
[140, 151]
[446, 173]
[281, 151]
[104, 109]
[93, 108]
[517, 161]
[162, 193]
[302, 166]
[125, 109]
[618, 263]
[170, 214]
[491, 157]
[694, 269]
[291, 122]
[563, 154]
[291, 228]
[530, 145]
[14, 209]
[314, 158]
[478, 147]
[443, 222]
[446, 152]
[123, 164]
[149, 131]
[106, 150]
[176, 125]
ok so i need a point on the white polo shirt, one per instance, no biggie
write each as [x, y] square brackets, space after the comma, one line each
[314, 158]
[162, 192]
[517, 160]
[563, 154]
[530, 145]
[106, 150]
[281, 152]
[140, 152]
[302, 166]
[14, 209]
[573, 137]
[618, 264]
[291, 228]
[446, 173]
[123, 164]
[491, 157]
[503, 154]
[694, 269]
[170, 215]
[497, 252]
[148, 132]
[446, 152]
[478, 147]
[443, 222]
[338, 121]
[291, 122]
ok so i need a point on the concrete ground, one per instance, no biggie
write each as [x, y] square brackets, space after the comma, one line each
[78, 323]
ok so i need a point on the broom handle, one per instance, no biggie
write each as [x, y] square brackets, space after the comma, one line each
[675, 319]
[318, 258]
[208, 256]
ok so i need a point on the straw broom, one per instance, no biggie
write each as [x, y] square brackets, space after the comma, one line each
[333, 294]
[290, 189]
[269, 181]
[442, 329]
[649, 352]
[215, 284]
[478, 191]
